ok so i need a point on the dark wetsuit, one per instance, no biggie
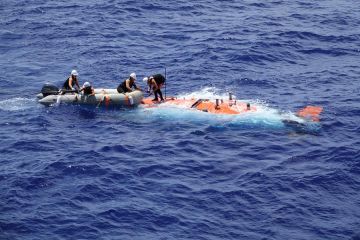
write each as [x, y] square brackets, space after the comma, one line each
[87, 90]
[122, 87]
[160, 80]
[66, 84]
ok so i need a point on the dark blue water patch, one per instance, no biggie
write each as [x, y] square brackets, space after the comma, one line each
[25, 145]
[331, 52]
[356, 236]
[354, 167]
[154, 7]
[254, 82]
[34, 183]
[253, 57]
[156, 171]
[298, 16]
[120, 173]
[116, 148]
[338, 21]
[259, 5]
[216, 128]
[62, 169]
[342, 153]
[9, 36]
[253, 178]
[89, 193]
[195, 151]
[88, 112]
[310, 128]
[334, 181]
[198, 133]
[14, 228]
[71, 230]
[40, 121]
[307, 4]
[241, 196]
[142, 217]
[314, 36]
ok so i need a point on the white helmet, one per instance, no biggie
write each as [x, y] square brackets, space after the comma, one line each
[133, 76]
[86, 84]
[145, 79]
[74, 72]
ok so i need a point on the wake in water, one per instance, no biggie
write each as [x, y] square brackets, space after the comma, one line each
[17, 104]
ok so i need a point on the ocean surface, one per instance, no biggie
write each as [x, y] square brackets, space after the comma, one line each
[72, 172]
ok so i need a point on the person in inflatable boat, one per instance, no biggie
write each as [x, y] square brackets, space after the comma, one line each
[87, 89]
[72, 81]
[128, 84]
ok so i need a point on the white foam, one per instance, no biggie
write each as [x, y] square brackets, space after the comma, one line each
[264, 114]
[17, 104]
[205, 93]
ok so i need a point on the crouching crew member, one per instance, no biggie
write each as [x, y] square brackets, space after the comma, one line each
[87, 89]
[155, 82]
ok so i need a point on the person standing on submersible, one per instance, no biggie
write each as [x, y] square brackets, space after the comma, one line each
[72, 81]
[155, 82]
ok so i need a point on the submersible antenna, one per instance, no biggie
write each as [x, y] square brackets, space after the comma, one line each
[165, 83]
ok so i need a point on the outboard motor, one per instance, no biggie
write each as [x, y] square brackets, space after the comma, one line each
[49, 89]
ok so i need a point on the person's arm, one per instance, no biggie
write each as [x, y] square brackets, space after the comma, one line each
[136, 87]
[70, 83]
[92, 91]
[77, 83]
[156, 87]
[127, 85]
[148, 84]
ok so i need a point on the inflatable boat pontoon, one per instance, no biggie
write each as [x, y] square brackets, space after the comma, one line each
[51, 95]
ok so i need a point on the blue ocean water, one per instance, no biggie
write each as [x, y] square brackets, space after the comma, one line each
[70, 172]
